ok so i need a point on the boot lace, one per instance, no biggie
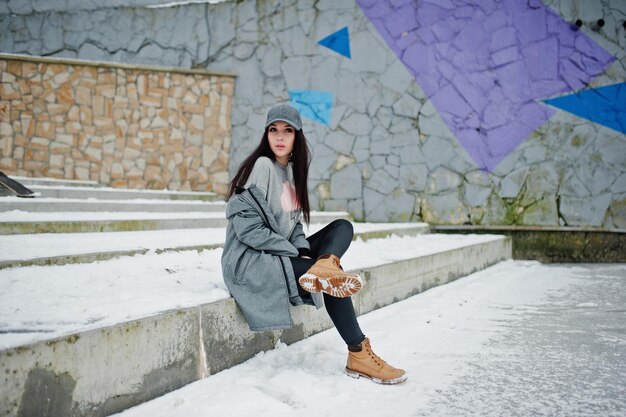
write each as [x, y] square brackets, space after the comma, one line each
[375, 357]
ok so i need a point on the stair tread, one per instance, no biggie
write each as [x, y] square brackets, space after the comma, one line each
[117, 190]
[95, 201]
[41, 304]
[45, 245]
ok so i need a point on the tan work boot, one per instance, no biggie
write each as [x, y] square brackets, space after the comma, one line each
[326, 275]
[367, 364]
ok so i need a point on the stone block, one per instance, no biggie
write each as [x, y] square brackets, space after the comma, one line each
[6, 129]
[407, 106]
[544, 212]
[446, 208]
[399, 206]
[346, 183]
[619, 186]
[81, 173]
[340, 142]
[442, 179]
[511, 184]
[373, 204]
[368, 55]
[357, 124]
[342, 162]
[45, 129]
[297, 72]
[413, 177]
[336, 205]
[585, 211]
[381, 147]
[382, 182]
[477, 196]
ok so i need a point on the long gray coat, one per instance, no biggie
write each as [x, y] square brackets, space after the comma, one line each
[255, 263]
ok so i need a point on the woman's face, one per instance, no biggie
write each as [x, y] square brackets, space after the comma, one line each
[281, 136]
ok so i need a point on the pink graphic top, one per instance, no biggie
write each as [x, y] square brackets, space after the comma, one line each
[288, 199]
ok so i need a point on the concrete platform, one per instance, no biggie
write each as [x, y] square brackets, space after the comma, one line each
[108, 369]
[517, 339]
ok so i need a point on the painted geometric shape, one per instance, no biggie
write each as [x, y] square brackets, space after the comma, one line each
[338, 42]
[605, 106]
[485, 64]
[315, 105]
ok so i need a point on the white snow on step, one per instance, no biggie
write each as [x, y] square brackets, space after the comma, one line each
[41, 302]
[118, 190]
[15, 216]
[437, 336]
[45, 245]
[91, 200]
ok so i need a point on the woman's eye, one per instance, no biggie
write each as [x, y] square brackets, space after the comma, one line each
[272, 129]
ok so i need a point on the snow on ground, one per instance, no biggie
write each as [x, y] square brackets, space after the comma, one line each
[517, 339]
[45, 245]
[41, 302]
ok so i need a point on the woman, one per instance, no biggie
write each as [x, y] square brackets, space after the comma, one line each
[266, 249]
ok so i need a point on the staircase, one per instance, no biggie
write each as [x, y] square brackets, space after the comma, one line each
[109, 298]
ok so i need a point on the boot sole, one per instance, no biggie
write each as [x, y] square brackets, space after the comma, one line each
[393, 381]
[337, 286]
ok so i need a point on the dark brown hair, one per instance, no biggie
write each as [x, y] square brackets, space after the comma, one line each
[300, 159]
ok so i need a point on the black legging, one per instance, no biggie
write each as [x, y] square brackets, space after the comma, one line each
[334, 238]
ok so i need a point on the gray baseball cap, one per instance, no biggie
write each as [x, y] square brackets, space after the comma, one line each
[284, 113]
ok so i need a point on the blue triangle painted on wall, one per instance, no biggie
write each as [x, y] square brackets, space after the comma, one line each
[603, 105]
[338, 42]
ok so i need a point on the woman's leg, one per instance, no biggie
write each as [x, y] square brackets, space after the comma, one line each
[335, 238]
[341, 312]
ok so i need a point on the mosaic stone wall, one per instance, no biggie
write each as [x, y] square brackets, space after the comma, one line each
[484, 140]
[120, 126]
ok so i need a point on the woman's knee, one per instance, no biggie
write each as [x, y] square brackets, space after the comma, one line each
[344, 227]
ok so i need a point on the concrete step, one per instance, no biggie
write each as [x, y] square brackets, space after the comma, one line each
[106, 193]
[17, 222]
[43, 205]
[68, 248]
[97, 367]
[32, 181]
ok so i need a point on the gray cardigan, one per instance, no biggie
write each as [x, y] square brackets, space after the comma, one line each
[255, 262]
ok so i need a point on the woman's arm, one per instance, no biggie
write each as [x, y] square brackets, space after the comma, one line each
[298, 239]
[252, 231]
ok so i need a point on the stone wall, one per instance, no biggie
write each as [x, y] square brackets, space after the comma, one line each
[121, 126]
[440, 111]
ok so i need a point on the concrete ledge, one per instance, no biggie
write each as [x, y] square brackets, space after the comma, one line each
[72, 61]
[104, 193]
[107, 370]
[90, 226]
[104, 371]
[556, 244]
[31, 181]
[45, 205]
[206, 220]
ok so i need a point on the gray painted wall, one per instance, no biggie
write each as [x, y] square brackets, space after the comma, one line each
[386, 154]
